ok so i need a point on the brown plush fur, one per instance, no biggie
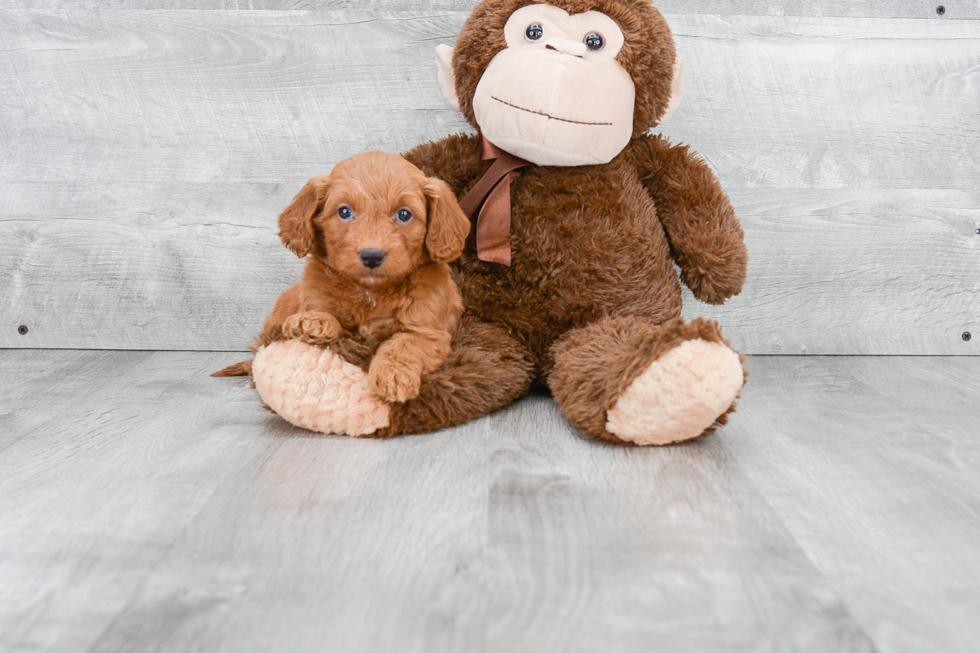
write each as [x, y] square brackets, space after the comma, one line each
[402, 315]
[710, 253]
[594, 248]
[592, 297]
[486, 370]
[648, 52]
[595, 365]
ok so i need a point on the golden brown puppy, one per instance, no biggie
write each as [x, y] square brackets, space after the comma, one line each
[379, 235]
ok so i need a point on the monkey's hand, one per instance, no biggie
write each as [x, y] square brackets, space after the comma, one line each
[705, 237]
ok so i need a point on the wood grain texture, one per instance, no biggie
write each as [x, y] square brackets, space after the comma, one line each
[203, 96]
[146, 154]
[831, 271]
[831, 102]
[872, 465]
[36, 390]
[852, 8]
[163, 510]
[856, 272]
[95, 487]
[666, 548]
[327, 544]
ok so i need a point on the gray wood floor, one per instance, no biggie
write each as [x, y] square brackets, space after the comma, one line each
[145, 506]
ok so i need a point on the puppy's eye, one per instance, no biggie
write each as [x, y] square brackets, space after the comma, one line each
[594, 41]
[404, 216]
[345, 213]
[534, 32]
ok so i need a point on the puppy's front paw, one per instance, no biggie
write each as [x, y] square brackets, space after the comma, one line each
[314, 327]
[393, 382]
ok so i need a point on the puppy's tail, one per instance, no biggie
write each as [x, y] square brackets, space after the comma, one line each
[238, 369]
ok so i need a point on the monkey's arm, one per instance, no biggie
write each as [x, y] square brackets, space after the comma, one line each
[706, 238]
[455, 159]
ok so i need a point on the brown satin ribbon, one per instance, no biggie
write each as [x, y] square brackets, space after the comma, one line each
[491, 197]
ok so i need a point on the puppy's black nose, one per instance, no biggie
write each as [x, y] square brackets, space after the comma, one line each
[372, 258]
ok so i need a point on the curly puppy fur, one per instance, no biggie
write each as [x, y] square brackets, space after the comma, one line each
[401, 314]
[592, 296]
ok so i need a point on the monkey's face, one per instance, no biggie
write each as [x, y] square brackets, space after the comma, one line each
[556, 94]
[566, 83]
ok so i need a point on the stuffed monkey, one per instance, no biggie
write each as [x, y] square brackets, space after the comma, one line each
[579, 218]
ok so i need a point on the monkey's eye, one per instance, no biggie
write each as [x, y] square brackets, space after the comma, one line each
[345, 213]
[534, 32]
[404, 216]
[594, 41]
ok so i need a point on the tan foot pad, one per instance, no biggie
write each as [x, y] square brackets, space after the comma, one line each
[679, 396]
[316, 389]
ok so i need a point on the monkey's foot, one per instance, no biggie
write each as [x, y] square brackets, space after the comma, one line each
[680, 396]
[316, 389]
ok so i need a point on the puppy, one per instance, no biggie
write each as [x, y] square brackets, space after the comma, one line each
[379, 235]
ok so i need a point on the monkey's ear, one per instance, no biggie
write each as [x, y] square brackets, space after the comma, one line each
[676, 90]
[447, 80]
[448, 226]
[296, 222]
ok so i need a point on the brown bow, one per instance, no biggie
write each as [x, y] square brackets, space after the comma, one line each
[492, 192]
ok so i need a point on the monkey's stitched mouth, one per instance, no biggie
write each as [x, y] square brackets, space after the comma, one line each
[549, 116]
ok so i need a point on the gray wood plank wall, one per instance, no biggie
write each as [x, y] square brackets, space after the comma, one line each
[146, 149]
[881, 8]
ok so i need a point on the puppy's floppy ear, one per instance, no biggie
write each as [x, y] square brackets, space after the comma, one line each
[448, 226]
[296, 222]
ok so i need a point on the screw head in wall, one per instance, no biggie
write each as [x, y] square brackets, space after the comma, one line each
[940, 10]
[967, 336]
[22, 329]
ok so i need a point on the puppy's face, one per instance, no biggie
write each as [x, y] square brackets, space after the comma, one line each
[375, 219]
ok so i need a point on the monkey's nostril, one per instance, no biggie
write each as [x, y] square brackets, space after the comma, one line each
[372, 258]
